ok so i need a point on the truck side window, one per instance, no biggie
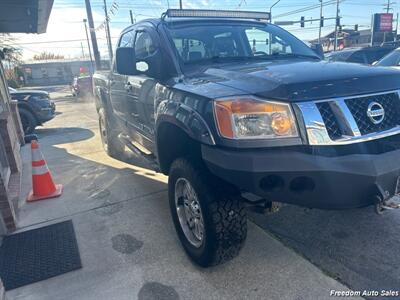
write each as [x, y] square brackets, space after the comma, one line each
[144, 46]
[127, 39]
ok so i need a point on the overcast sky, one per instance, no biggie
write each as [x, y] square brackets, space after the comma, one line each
[66, 24]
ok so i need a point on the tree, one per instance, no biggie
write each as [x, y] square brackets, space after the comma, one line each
[47, 55]
[11, 57]
[12, 54]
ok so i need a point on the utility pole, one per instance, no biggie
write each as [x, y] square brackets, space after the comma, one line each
[320, 23]
[108, 36]
[270, 10]
[336, 25]
[88, 43]
[83, 52]
[131, 14]
[180, 4]
[93, 35]
[388, 8]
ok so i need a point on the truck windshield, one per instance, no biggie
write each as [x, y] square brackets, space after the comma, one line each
[220, 42]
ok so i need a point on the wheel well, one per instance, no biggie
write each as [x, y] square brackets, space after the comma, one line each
[173, 142]
[30, 110]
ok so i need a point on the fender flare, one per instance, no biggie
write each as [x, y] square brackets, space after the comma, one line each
[185, 118]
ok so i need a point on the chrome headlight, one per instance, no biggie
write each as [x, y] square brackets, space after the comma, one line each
[247, 117]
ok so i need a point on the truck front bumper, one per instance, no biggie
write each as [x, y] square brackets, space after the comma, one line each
[308, 179]
[46, 113]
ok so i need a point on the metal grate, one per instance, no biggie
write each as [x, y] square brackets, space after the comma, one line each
[359, 106]
[330, 120]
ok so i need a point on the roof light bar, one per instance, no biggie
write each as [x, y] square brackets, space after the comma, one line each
[206, 13]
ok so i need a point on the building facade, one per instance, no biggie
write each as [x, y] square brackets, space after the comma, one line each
[54, 72]
[353, 38]
[11, 138]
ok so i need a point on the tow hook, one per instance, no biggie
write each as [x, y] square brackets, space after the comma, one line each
[261, 205]
[383, 205]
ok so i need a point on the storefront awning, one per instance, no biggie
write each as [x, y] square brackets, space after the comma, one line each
[24, 16]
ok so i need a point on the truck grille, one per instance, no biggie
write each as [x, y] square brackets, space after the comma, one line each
[359, 106]
[330, 120]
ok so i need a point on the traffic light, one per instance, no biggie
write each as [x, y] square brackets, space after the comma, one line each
[338, 21]
[302, 22]
[340, 28]
[321, 22]
[356, 27]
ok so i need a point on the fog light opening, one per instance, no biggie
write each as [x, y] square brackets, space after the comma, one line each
[302, 184]
[272, 183]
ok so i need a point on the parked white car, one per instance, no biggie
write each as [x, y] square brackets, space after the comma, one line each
[390, 60]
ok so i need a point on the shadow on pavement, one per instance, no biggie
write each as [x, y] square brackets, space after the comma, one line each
[50, 89]
[60, 135]
[357, 247]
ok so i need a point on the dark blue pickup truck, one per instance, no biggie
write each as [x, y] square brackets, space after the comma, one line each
[229, 105]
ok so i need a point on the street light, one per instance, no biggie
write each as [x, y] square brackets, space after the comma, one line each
[88, 43]
[270, 10]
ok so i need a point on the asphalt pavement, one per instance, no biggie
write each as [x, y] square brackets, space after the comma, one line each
[129, 248]
[357, 247]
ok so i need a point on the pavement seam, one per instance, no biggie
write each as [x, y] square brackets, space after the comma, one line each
[89, 210]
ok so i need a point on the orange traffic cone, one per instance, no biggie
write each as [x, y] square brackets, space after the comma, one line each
[43, 186]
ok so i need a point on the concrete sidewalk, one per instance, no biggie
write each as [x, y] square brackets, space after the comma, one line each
[126, 238]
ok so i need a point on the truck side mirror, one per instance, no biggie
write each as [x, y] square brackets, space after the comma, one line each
[125, 61]
[317, 48]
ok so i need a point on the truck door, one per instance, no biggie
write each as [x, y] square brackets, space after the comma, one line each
[118, 82]
[141, 95]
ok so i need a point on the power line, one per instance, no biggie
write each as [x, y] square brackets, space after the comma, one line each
[304, 9]
[60, 41]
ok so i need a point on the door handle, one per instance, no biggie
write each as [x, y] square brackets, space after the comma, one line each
[128, 87]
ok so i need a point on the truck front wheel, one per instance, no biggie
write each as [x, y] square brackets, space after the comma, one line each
[210, 219]
[28, 121]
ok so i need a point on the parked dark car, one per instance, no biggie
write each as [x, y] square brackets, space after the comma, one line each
[366, 55]
[225, 103]
[82, 86]
[35, 108]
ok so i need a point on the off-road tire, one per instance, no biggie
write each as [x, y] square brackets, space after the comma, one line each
[28, 120]
[109, 136]
[224, 215]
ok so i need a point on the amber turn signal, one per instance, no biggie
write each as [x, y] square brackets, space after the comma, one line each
[280, 124]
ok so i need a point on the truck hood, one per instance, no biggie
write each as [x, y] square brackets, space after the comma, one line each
[293, 80]
[29, 92]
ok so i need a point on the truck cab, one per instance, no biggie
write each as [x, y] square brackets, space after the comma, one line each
[226, 104]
